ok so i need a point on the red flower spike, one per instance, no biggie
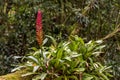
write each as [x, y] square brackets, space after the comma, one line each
[39, 32]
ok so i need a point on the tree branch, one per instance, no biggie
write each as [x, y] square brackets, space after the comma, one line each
[113, 33]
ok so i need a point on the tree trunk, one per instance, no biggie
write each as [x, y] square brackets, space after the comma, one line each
[16, 76]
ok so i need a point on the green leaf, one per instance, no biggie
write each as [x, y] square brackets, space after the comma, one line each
[99, 41]
[18, 68]
[65, 77]
[79, 69]
[88, 78]
[74, 54]
[100, 47]
[68, 58]
[40, 76]
[104, 76]
[33, 59]
[27, 74]
[59, 53]
[34, 48]
[97, 53]
[73, 77]
[35, 68]
[81, 41]
[43, 75]
[45, 41]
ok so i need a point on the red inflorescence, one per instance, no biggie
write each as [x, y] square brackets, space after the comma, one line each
[39, 32]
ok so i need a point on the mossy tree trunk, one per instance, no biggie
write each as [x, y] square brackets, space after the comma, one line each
[16, 76]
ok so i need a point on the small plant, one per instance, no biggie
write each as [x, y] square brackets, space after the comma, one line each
[70, 60]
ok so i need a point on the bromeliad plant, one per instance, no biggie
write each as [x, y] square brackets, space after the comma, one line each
[69, 60]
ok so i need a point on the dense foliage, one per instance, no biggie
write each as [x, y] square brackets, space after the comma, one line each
[90, 19]
[68, 60]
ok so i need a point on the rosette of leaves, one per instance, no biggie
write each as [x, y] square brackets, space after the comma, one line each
[68, 60]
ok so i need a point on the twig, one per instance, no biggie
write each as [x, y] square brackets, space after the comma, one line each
[113, 33]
